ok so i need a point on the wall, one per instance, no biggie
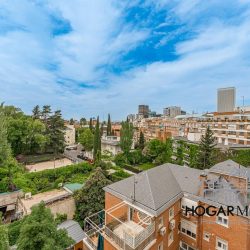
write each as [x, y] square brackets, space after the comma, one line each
[66, 206]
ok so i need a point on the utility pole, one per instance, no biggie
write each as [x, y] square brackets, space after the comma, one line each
[243, 100]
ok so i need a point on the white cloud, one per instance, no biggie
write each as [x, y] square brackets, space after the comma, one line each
[217, 55]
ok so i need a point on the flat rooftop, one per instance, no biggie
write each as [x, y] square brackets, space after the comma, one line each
[47, 197]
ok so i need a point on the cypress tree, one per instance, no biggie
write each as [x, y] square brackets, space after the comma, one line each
[97, 141]
[91, 124]
[109, 126]
[141, 140]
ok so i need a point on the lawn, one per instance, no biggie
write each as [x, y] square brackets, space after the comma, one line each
[145, 166]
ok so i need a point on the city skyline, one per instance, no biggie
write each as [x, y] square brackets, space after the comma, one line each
[95, 58]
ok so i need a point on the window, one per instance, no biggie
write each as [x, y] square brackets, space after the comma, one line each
[160, 247]
[188, 228]
[221, 244]
[160, 222]
[222, 220]
[206, 236]
[171, 213]
[170, 238]
[184, 246]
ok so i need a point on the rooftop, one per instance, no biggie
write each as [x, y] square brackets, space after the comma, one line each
[73, 229]
[158, 188]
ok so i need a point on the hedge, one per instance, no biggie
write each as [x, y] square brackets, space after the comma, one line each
[132, 169]
[42, 181]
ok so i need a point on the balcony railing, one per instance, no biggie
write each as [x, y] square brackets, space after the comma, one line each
[123, 226]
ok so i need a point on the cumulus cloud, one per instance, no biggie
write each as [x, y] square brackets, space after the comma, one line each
[94, 57]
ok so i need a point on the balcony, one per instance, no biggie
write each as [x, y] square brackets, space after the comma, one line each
[123, 225]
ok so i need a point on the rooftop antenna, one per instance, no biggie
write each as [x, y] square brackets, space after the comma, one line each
[135, 182]
[243, 100]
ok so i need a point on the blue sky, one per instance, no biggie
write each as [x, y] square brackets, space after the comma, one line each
[90, 58]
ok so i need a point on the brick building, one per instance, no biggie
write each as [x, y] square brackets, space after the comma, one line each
[149, 210]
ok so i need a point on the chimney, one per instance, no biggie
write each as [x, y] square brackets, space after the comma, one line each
[203, 185]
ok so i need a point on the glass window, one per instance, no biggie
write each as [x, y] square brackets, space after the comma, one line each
[170, 238]
[222, 220]
[221, 244]
[171, 213]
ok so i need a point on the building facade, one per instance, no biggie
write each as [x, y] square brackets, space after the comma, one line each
[172, 111]
[70, 135]
[152, 210]
[143, 110]
[226, 99]
[110, 144]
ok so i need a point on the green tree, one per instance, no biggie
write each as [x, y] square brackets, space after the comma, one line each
[4, 239]
[109, 126]
[45, 114]
[36, 113]
[83, 121]
[90, 199]
[86, 138]
[97, 141]
[71, 121]
[206, 150]
[180, 153]
[26, 135]
[141, 142]
[193, 153]
[56, 132]
[91, 124]
[39, 231]
[8, 165]
[126, 138]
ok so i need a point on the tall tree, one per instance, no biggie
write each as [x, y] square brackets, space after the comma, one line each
[109, 126]
[8, 165]
[71, 121]
[90, 199]
[83, 121]
[126, 137]
[39, 231]
[46, 113]
[36, 113]
[180, 153]
[26, 135]
[86, 138]
[206, 150]
[141, 143]
[97, 141]
[91, 124]
[4, 240]
[56, 132]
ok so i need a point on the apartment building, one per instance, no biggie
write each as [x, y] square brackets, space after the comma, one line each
[229, 128]
[226, 99]
[172, 111]
[111, 144]
[69, 134]
[157, 128]
[149, 210]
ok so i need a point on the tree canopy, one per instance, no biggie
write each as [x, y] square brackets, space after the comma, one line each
[90, 199]
[126, 137]
[39, 231]
[86, 138]
[206, 150]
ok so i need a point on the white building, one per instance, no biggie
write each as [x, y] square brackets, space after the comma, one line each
[226, 99]
[70, 135]
[172, 111]
[111, 144]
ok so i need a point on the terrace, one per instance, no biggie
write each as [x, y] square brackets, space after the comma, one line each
[123, 225]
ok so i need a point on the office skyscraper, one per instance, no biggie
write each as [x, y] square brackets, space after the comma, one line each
[226, 99]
